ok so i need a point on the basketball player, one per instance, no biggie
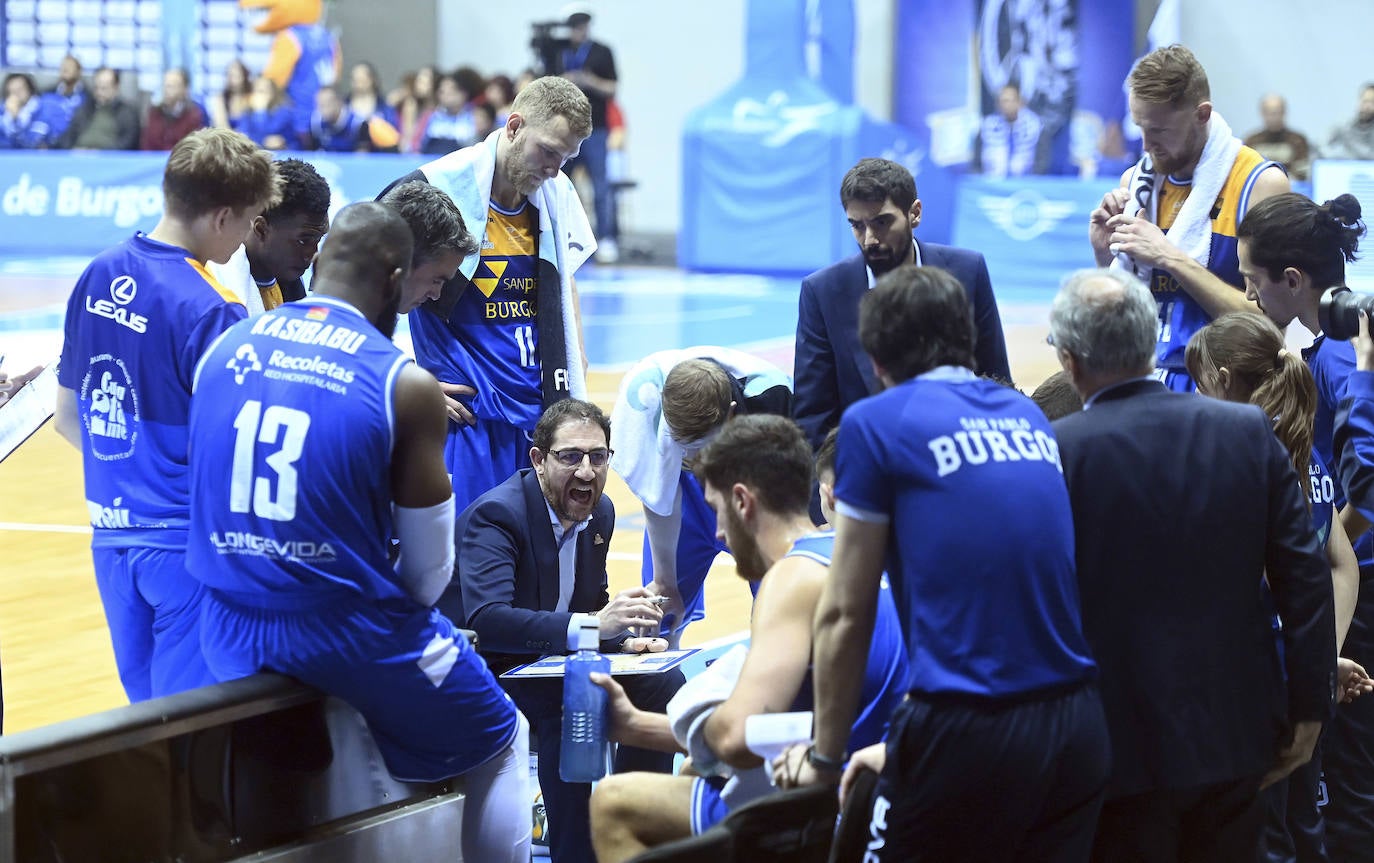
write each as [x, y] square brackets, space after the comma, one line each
[504, 340]
[334, 444]
[139, 318]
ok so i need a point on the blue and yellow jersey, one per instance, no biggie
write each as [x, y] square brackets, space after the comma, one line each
[1179, 314]
[292, 429]
[490, 341]
[139, 319]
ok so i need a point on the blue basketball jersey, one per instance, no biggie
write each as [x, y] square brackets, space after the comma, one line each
[966, 473]
[490, 340]
[1332, 362]
[139, 318]
[292, 428]
[885, 676]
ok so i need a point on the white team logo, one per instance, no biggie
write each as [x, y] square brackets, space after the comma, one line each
[112, 408]
[1025, 214]
[244, 361]
[123, 290]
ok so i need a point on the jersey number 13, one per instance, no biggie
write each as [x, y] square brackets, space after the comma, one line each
[280, 426]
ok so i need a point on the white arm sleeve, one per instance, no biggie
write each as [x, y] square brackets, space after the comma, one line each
[426, 536]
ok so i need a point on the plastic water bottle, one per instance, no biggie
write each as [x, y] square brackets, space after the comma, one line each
[583, 756]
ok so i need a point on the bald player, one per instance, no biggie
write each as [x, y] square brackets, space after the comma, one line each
[335, 444]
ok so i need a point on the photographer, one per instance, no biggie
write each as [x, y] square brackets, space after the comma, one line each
[1291, 252]
[591, 66]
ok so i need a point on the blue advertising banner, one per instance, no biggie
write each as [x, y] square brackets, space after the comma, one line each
[1033, 230]
[74, 203]
[1068, 58]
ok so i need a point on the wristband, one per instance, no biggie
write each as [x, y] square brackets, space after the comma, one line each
[822, 763]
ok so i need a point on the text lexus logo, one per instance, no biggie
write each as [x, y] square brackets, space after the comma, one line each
[123, 289]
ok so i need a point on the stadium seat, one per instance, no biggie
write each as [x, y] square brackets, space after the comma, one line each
[794, 826]
[851, 836]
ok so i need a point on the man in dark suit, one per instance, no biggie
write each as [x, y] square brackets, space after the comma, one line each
[531, 564]
[831, 370]
[1182, 505]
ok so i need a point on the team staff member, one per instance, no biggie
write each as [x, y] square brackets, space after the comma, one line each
[140, 317]
[334, 443]
[1172, 221]
[831, 370]
[1002, 725]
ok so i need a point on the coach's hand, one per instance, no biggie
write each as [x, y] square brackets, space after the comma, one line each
[457, 411]
[630, 610]
[1297, 753]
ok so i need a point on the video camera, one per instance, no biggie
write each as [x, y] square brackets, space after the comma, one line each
[547, 40]
[1339, 313]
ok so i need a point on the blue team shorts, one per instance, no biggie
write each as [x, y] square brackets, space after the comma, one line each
[152, 605]
[429, 700]
[708, 809]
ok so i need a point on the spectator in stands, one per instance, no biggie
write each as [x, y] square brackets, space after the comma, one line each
[365, 94]
[591, 66]
[268, 120]
[25, 123]
[1355, 140]
[1009, 142]
[334, 127]
[105, 121]
[1277, 142]
[412, 102]
[173, 118]
[531, 565]
[281, 243]
[63, 100]
[234, 100]
[483, 120]
[451, 125]
[500, 93]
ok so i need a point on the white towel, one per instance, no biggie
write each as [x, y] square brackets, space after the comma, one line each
[1191, 231]
[565, 235]
[696, 701]
[237, 277]
[646, 456]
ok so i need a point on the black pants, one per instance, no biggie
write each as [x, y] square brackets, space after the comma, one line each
[1294, 831]
[1219, 823]
[973, 780]
[566, 804]
[1348, 750]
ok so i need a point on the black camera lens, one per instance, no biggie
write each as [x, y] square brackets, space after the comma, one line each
[1339, 313]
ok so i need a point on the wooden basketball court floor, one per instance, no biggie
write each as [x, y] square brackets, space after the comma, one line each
[55, 655]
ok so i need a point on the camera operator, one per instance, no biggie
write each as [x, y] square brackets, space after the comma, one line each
[591, 66]
[1291, 252]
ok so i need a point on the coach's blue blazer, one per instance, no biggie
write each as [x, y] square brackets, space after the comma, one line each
[505, 583]
[831, 370]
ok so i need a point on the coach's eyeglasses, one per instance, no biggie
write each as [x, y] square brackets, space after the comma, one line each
[573, 457]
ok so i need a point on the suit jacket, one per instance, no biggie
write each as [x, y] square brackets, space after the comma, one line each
[1181, 505]
[831, 371]
[505, 583]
